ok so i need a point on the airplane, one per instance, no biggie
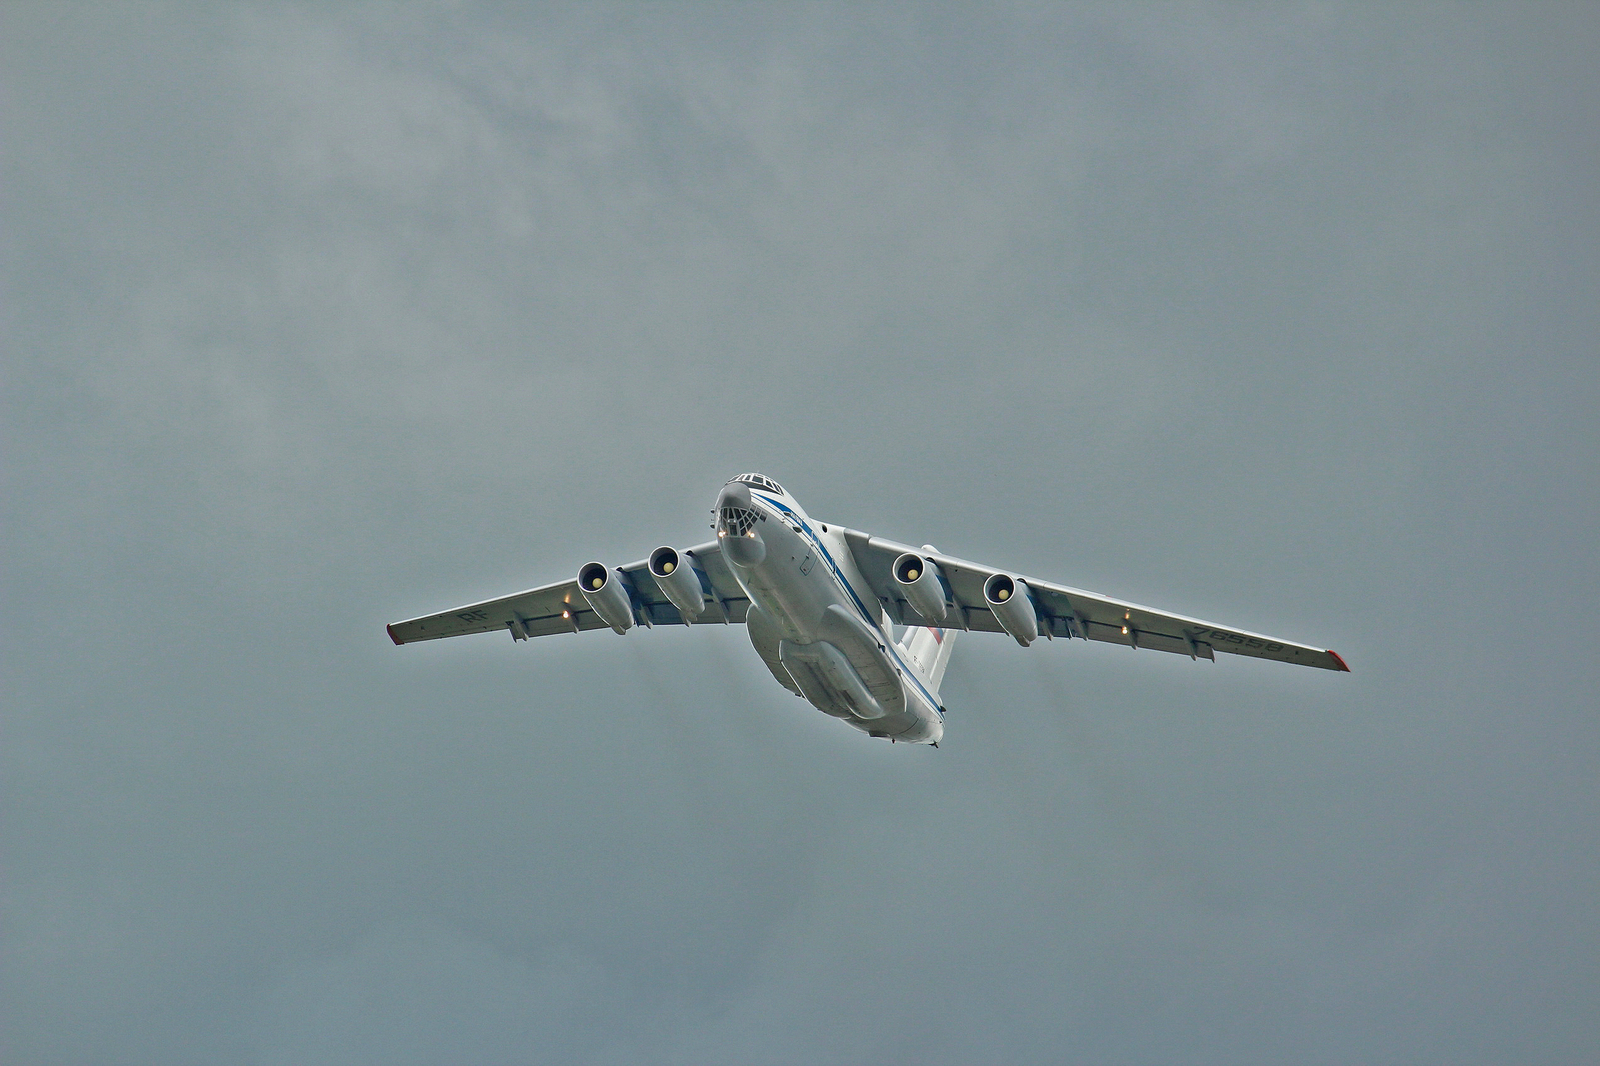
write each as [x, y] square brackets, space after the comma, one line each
[821, 602]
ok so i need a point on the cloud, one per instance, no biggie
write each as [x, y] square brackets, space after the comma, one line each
[407, 992]
[317, 319]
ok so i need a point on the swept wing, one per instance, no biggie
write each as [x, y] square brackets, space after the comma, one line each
[561, 608]
[1068, 612]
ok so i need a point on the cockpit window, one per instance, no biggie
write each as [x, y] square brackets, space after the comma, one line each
[761, 481]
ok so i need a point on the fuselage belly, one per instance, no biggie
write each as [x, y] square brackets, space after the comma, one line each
[815, 621]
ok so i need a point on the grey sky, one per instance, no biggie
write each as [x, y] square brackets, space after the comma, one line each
[318, 318]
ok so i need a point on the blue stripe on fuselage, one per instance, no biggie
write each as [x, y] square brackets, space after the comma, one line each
[844, 583]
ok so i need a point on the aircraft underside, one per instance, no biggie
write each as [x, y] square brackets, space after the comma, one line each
[822, 603]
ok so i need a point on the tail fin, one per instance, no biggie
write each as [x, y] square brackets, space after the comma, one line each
[929, 650]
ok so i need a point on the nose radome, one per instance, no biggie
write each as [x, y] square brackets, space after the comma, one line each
[746, 550]
[736, 526]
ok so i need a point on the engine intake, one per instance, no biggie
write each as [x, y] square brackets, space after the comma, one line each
[606, 593]
[678, 581]
[1012, 607]
[918, 580]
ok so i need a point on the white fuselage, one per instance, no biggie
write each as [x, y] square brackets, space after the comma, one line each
[816, 623]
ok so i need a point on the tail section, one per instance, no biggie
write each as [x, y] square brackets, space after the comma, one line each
[929, 650]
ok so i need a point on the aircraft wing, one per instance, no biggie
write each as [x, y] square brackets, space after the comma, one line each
[1070, 612]
[561, 608]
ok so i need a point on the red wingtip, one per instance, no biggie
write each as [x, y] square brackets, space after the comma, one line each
[1331, 652]
[397, 640]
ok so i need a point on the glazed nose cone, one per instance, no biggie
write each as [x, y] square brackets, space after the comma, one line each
[738, 527]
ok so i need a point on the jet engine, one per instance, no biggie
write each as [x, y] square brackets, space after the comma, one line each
[604, 589]
[918, 581]
[1012, 607]
[678, 581]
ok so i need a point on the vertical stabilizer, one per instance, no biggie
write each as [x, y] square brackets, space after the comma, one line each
[929, 650]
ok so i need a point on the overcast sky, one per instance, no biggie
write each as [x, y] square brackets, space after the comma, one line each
[317, 318]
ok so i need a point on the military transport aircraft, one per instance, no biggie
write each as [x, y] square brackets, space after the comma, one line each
[821, 603]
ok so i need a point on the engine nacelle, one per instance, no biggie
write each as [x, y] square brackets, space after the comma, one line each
[678, 582]
[604, 590]
[918, 581]
[1012, 607]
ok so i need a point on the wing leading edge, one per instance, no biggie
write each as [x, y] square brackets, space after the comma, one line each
[561, 608]
[1070, 612]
